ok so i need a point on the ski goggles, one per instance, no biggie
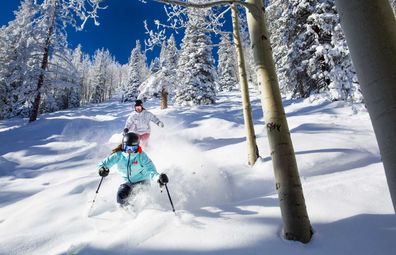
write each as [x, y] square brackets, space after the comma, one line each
[131, 147]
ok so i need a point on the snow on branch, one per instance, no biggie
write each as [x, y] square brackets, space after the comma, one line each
[155, 38]
[204, 5]
[180, 12]
[79, 7]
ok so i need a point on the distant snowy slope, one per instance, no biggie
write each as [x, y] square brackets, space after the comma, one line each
[48, 179]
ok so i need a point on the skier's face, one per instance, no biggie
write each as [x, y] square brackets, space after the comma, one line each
[139, 108]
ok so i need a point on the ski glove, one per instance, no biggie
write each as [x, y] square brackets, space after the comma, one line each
[163, 179]
[126, 131]
[161, 124]
[103, 171]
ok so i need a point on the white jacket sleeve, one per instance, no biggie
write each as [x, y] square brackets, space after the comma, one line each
[154, 118]
[129, 124]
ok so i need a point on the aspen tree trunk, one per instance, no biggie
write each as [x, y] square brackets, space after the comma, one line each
[370, 30]
[164, 99]
[247, 109]
[296, 224]
[44, 64]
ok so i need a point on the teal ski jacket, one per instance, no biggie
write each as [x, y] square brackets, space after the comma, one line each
[134, 167]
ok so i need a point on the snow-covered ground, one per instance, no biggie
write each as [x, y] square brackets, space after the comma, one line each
[48, 179]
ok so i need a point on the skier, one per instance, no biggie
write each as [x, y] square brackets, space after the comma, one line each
[135, 166]
[139, 122]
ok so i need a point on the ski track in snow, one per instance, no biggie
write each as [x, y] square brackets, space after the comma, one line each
[48, 180]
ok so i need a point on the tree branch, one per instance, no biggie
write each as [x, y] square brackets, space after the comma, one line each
[207, 5]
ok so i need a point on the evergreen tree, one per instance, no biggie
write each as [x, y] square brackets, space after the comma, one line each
[310, 50]
[137, 73]
[154, 66]
[278, 13]
[163, 81]
[169, 57]
[5, 105]
[226, 68]
[115, 75]
[85, 70]
[77, 65]
[18, 64]
[100, 75]
[196, 71]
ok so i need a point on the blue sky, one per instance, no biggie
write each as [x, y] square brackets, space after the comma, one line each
[121, 24]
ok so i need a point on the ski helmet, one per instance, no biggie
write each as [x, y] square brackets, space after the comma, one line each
[130, 139]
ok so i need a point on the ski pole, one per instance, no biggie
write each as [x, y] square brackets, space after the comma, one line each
[170, 199]
[96, 194]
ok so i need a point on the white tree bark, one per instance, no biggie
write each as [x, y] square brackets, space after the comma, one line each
[294, 214]
[247, 109]
[370, 29]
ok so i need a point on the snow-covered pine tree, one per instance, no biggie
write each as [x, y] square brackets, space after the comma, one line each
[196, 70]
[144, 68]
[278, 13]
[168, 60]
[100, 75]
[227, 69]
[5, 104]
[137, 73]
[18, 64]
[163, 81]
[3, 86]
[115, 70]
[311, 54]
[151, 87]
[154, 66]
[77, 65]
[85, 70]
[169, 57]
[122, 78]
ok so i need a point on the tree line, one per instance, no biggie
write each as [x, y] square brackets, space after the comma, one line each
[311, 59]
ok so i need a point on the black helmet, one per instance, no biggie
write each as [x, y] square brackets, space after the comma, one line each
[130, 139]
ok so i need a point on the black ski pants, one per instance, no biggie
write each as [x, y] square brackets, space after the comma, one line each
[126, 189]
